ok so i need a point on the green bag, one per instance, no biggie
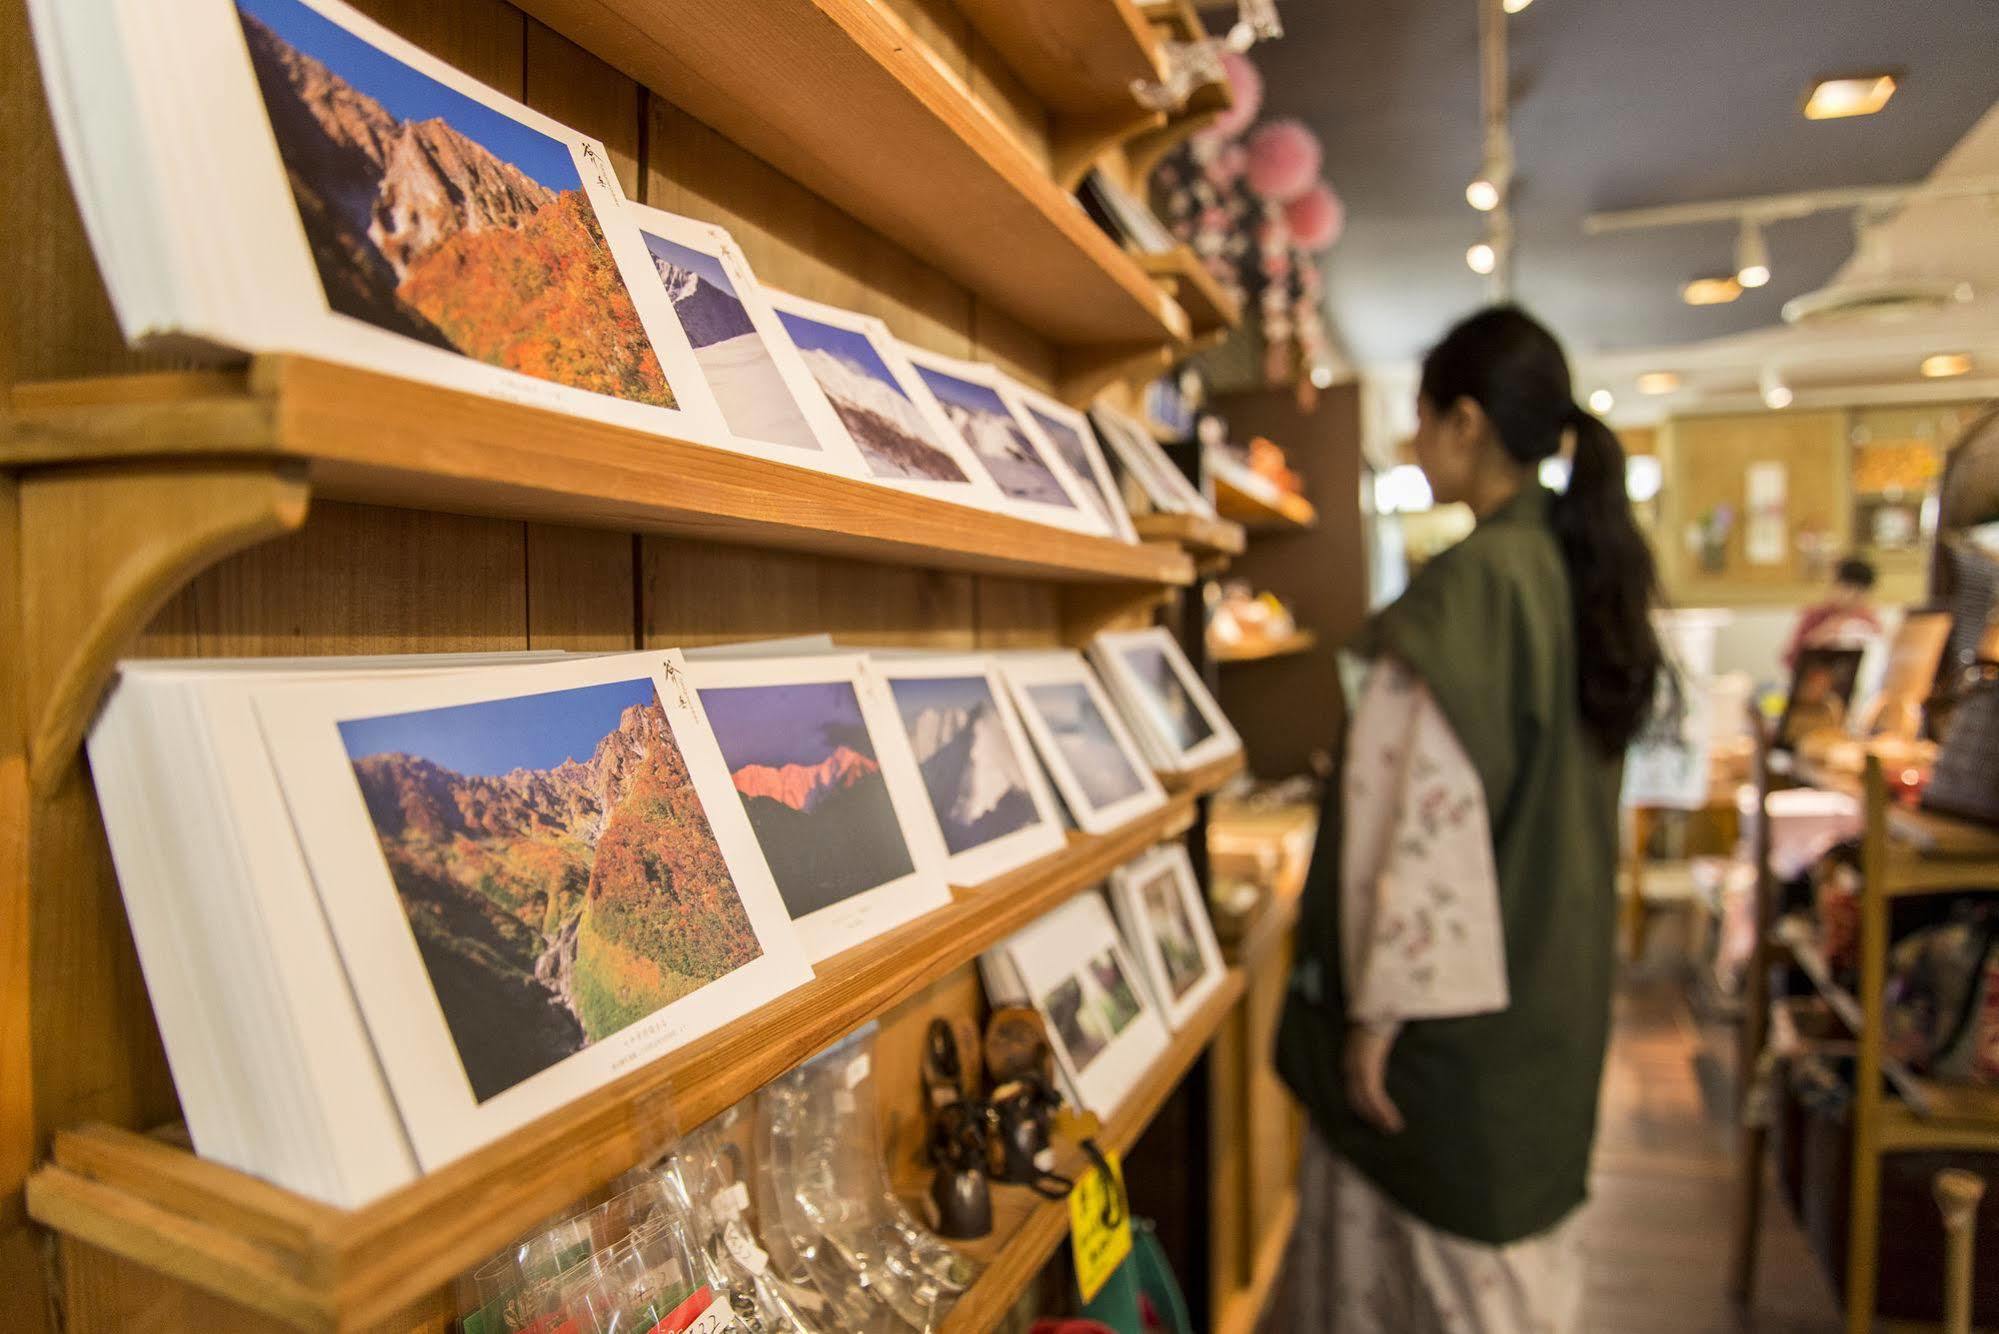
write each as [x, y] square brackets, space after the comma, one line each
[1144, 1272]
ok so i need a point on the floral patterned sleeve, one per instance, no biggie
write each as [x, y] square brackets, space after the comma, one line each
[1420, 934]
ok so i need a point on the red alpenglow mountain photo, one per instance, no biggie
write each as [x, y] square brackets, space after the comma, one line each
[807, 771]
[416, 226]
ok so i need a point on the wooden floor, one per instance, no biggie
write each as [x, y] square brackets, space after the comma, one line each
[1662, 1198]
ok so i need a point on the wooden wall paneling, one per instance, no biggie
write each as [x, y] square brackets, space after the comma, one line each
[1014, 613]
[487, 39]
[999, 338]
[567, 82]
[957, 46]
[794, 239]
[694, 593]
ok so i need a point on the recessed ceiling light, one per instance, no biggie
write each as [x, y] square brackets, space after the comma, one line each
[1482, 195]
[1482, 258]
[1601, 401]
[1711, 291]
[1858, 95]
[1515, 6]
[1944, 365]
[1658, 382]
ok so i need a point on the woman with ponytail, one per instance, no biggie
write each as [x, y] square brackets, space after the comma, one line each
[1450, 1005]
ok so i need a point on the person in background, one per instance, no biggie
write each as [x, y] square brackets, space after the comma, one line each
[1449, 1010]
[1844, 613]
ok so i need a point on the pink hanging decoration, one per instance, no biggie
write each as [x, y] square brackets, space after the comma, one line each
[1283, 161]
[1317, 218]
[1246, 83]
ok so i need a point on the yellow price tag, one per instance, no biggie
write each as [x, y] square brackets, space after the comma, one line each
[1099, 1246]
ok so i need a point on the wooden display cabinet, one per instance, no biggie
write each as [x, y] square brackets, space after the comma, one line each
[295, 507]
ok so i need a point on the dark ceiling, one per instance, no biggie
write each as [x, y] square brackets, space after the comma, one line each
[1617, 104]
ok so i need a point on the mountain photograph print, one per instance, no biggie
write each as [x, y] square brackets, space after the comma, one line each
[975, 779]
[805, 767]
[1166, 913]
[1079, 1027]
[883, 419]
[1168, 697]
[1088, 746]
[556, 867]
[756, 401]
[981, 417]
[1077, 455]
[1118, 1002]
[434, 216]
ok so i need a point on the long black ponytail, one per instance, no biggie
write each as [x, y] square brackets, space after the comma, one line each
[1510, 365]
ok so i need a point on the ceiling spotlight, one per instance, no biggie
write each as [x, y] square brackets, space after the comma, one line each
[1515, 6]
[1752, 255]
[1482, 258]
[1945, 365]
[1658, 382]
[1482, 195]
[1322, 376]
[1776, 394]
[1860, 95]
[1711, 291]
[1601, 401]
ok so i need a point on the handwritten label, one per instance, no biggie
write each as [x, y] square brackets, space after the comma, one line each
[1099, 1249]
[746, 1252]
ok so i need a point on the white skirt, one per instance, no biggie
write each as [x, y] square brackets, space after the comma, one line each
[1359, 1264]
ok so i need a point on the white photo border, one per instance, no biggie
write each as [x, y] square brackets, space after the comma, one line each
[1107, 651]
[1127, 900]
[1025, 670]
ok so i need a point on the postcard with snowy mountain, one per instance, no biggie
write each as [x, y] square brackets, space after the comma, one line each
[354, 198]
[538, 878]
[901, 432]
[774, 407]
[990, 797]
[827, 778]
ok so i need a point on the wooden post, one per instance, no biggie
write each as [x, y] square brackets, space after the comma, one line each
[1957, 1196]
[1864, 1221]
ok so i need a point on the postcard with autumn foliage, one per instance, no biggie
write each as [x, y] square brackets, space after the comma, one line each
[538, 877]
[382, 209]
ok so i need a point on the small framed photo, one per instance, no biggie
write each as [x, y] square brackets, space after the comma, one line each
[1165, 919]
[1164, 698]
[773, 407]
[1029, 475]
[1822, 682]
[1071, 439]
[537, 878]
[822, 768]
[1097, 766]
[993, 806]
[1164, 486]
[901, 433]
[1072, 966]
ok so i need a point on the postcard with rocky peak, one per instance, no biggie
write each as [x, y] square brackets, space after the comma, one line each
[1034, 481]
[1164, 915]
[826, 777]
[354, 198]
[990, 797]
[538, 878]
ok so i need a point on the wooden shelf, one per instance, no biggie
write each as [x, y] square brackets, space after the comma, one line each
[1211, 311]
[1028, 1228]
[317, 1267]
[1299, 641]
[843, 97]
[1201, 536]
[1209, 777]
[1261, 512]
[374, 438]
[1078, 57]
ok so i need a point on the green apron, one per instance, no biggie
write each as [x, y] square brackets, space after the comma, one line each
[1499, 1109]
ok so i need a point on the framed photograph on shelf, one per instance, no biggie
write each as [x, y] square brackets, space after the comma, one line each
[1164, 698]
[993, 806]
[1069, 436]
[355, 199]
[900, 431]
[537, 876]
[821, 766]
[1097, 766]
[1072, 966]
[1033, 480]
[1159, 479]
[768, 398]
[1164, 915]
[1822, 681]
